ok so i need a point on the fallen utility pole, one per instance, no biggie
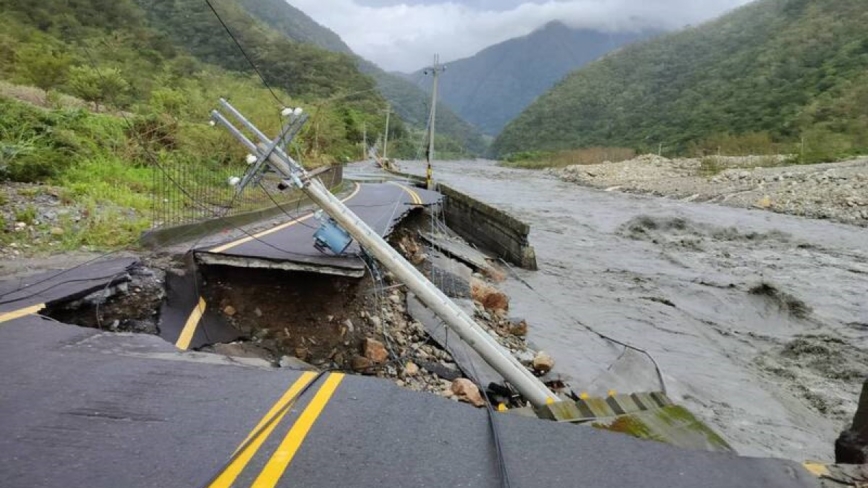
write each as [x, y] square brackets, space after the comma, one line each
[269, 152]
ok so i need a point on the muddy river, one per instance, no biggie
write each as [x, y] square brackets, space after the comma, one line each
[758, 321]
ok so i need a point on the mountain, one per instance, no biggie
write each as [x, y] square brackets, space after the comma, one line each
[409, 101]
[774, 75]
[173, 59]
[295, 24]
[492, 87]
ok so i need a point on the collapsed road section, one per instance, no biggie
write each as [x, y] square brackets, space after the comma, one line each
[124, 393]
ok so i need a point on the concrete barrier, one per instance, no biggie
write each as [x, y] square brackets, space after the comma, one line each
[488, 227]
[331, 176]
[483, 225]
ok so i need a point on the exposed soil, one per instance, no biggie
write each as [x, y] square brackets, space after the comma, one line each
[129, 304]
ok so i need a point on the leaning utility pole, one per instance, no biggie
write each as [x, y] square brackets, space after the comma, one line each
[435, 70]
[269, 152]
[386, 136]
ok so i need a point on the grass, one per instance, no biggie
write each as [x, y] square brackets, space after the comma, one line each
[586, 156]
[710, 166]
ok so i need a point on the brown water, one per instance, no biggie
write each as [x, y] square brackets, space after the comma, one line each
[759, 321]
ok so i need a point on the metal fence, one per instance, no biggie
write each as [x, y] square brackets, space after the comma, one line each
[185, 193]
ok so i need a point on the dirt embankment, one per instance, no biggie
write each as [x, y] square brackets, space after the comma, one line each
[835, 191]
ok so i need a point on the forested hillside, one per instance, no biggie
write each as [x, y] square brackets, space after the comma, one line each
[773, 76]
[492, 87]
[408, 101]
[95, 95]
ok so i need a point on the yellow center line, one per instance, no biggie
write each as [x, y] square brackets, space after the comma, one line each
[272, 419]
[21, 312]
[413, 195]
[818, 470]
[230, 245]
[190, 327]
[281, 458]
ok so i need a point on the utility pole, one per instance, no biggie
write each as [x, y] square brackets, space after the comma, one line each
[268, 152]
[434, 70]
[386, 136]
[365, 141]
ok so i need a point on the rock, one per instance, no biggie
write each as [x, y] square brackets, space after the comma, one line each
[290, 362]
[257, 312]
[361, 364]
[467, 392]
[375, 321]
[376, 351]
[765, 202]
[57, 231]
[518, 328]
[229, 310]
[410, 369]
[490, 298]
[543, 363]
[349, 324]
[525, 357]
[851, 447]
[302, 353]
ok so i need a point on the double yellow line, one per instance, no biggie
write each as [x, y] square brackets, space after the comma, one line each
[282, 456]
[245, 240]
[417, 200]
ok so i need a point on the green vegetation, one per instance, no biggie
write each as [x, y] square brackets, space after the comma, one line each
[94, 94]
[775, 76]
[407, 100]
[562, 159]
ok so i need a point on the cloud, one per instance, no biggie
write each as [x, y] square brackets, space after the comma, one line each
[404, 37]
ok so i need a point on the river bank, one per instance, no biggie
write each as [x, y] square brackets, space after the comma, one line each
[833, 191]
[756, 319]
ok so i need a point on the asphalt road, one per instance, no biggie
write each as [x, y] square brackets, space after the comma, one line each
[79, 407]
[290, 245]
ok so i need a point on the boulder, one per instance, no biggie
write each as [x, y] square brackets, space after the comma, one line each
[543, 363]
[491, 298]
[361, 364]
[468, 392]
[410, 369]
[376, 351]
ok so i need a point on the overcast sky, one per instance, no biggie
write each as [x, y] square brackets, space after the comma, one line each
[404, 35]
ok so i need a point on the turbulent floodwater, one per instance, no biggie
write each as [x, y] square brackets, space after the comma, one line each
[758, 321]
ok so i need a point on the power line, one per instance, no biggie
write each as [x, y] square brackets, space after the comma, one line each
[244, 53]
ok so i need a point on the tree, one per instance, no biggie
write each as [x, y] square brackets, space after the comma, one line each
[97, 85]
[45, 69]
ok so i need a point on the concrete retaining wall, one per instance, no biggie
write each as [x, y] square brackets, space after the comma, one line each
[485, 226]
[488, 227]
[332, 177]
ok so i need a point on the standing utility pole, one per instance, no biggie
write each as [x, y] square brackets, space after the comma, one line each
[435, 70]
[268, 152]
[364, 141]
[386, 137]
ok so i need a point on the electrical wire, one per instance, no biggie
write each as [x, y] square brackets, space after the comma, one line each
[590, 329]
[244, 53]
